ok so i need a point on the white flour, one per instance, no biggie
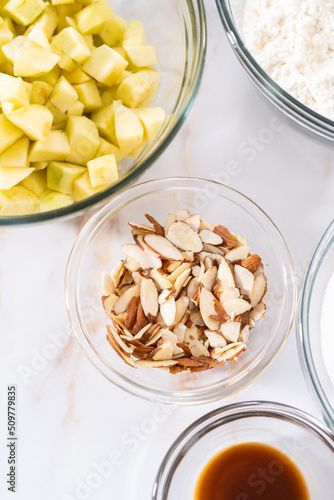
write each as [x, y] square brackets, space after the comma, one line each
[293, 41]
[327, 329]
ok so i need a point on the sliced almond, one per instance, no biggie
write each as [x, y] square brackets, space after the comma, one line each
[209, 278]
[148, 363]
[207, 247]
[231, 330]
[140, 241]
[142, 333]
[207, 308]
[181, 281]
[181, 305]
[224, 233]
[169, 266]
[259, 289]
[229, 352]
[228, 294]
[196, 318]
[137, 277]
[161, 279]
[191, 287]
[179, 330]
[154, 338]
[252, 263]
[237, 254]
[141, 227]
[164, 248]
[193, 221]
[184, 237]
[244, 335]
[170, 219]
[235, 307]
[149, 299]
[206, 225]
[163, 352]
[168, 336]
[240, 241]
[108, 302]
[181, 215]
[117, 272]
[244, 280]
[210, 237]
[131, 265]
[179, 270]
[199, 350]
[157, 227]
[144, 260]
[225, 275]
[188, 256]
[131, 312]
[168, 311]
[258, 311]
[119, 346]
[208, 262]
[123, 302]
[108, 286]
[259, 270]
[216, 339]
[243, 318]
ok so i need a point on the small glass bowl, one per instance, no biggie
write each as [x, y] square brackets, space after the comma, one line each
[311, 344]
[315, 125]
[305, 440]
[177, 28]
[98, 249]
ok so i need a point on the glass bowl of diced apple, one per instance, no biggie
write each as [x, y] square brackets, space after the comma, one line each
[91, 93]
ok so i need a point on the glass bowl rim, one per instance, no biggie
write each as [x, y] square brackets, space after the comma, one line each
[198, 62]
[80, 245]
[225, 414]
[304, 333]
[306, 116]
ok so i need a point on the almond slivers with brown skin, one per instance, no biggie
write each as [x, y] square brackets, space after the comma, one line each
[187, 296]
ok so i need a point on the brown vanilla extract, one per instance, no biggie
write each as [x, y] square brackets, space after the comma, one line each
[251, 471]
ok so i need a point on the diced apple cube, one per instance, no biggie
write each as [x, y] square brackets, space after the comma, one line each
[14, 90]
[152, 120]
[77, 76]
[82, 188]
[76, 109]
[54, 201]
[104, 119]
[10, 176]
[89, 95]
[134, 33]
[34, 120]
[128, 129]
[16, 155]
[24, 12]
[61, 175]
[112, 31]
[24, 201]
[102, 170]
[48, 21]
[107, 148]
[55, 147]
[36, 182]
[10, 48]
[108, 96]
[6, 205]
[142, 55]
[8, 133]
[63, 95]
[84, 139]
[6, 35]
[139, 88]
[40, 93]
[31, 60]
[70, 45]
[105, 65]
[38, 37]
[62, 2]
[92, 18]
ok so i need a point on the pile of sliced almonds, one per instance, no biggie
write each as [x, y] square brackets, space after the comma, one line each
[186, 296]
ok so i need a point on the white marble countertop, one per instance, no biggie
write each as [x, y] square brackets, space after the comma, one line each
[71, 419]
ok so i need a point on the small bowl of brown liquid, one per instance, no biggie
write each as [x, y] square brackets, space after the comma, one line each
[250, 451]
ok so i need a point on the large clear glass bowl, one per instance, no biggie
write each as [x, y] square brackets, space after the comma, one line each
[316, 125]
[177, 28]
[305, 440]
[98, 249]
[311, 343]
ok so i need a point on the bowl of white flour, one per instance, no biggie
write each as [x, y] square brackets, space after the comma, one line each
[287, 49]
[316, 325]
